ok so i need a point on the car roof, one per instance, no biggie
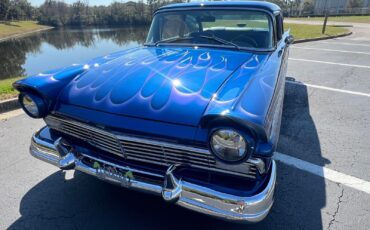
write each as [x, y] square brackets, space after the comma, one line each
[248, 4]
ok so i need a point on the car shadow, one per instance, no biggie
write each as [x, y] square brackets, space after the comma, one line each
[85, 202]
[300, 195]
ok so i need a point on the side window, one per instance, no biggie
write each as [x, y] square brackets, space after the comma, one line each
[279, 27]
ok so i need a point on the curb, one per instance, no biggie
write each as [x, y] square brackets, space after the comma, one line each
[322, 38]
[9, 104]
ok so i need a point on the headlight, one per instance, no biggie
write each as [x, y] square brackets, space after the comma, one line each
[33, 105]
[228, 145]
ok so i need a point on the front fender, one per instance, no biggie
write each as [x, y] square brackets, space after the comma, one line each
[49, 84]
[244, 101]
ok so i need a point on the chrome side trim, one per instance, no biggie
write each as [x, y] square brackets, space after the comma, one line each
[183, 193]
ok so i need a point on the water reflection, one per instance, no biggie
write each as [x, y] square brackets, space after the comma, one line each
[57, 48]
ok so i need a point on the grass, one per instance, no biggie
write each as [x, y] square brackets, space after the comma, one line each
[6, 89]
[302, 31]
[233, 23]
[356, 19]
[299, 31]
[20, 27]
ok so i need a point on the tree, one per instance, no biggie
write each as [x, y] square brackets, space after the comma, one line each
[80, 13]
[19, 10]
[50, 14]
[282, 4]
[355, 4]
[308, 8]
[4, 8]
[58, 13]
[62, 10]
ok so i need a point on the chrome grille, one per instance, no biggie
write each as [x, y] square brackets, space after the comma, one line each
[143, 150]
[164, 155]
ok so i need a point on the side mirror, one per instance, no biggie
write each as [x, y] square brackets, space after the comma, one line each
[289, 40]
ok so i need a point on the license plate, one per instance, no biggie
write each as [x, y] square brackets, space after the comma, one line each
[114, 175]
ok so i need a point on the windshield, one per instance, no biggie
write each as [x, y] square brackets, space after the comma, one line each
[230, 28]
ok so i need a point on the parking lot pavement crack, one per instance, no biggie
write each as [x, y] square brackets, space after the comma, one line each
[337, 209]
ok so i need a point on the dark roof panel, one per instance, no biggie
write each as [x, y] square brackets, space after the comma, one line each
[248, 4]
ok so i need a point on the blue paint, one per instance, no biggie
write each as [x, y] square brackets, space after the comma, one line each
[165, 84]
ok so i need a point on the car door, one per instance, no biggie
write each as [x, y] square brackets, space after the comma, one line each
[280, 60]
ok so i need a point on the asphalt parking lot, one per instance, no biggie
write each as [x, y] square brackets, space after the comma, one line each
[323, 167]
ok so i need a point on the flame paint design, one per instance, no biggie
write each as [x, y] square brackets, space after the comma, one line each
[172, 84]
[183, 87]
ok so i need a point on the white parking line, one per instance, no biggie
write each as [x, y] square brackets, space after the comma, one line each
[329, 88]
[324, 172]
[345, 43]
[330, 50]
[362, 39]
[329, 63]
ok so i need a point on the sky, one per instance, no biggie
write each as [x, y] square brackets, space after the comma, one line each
[91, 2]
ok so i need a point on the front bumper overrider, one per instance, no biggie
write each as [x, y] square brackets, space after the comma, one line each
[177, 190]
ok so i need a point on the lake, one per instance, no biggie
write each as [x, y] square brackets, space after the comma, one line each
[56, 48]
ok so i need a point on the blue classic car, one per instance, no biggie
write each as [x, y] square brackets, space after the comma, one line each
[192, 116]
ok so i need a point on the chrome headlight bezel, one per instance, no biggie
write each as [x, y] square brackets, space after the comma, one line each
[242, 136]
[40, 107]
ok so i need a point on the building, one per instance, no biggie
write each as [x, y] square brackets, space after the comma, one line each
[338, 7]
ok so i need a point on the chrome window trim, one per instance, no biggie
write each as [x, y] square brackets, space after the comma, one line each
[269, 13]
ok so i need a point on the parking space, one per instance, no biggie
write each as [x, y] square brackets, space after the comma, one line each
[335, 58]
[327, 128]
[336, 46]
[333, 76]
[326, 125]
[326, 122]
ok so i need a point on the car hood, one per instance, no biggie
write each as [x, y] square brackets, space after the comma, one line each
[172, 85]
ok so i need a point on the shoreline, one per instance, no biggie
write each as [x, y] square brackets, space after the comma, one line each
[19, 35]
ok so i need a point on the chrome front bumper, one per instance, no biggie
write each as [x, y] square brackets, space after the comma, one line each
[176, 190]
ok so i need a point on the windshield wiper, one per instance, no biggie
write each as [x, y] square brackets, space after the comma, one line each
[220, 40]
[172, 40]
